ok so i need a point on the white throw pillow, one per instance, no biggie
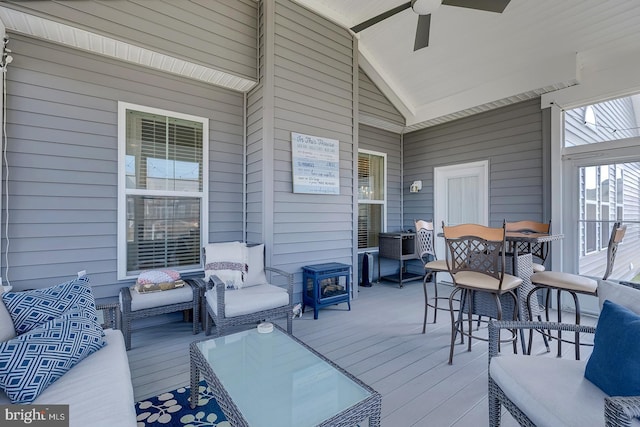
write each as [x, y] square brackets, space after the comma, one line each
[7, 331]
[228, 261]
[255, 261]
[625, 296]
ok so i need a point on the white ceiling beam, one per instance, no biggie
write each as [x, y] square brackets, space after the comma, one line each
[616, 79]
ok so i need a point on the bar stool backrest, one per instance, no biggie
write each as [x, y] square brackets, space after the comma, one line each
[617, 234]
[425, 240]
[538, 250]
[474, 247]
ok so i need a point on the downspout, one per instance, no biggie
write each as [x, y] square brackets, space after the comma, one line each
[402, 180]
[4, 167]
[354, 165]
[244, 166]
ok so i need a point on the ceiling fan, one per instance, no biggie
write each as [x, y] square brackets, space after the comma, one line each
[424, 8]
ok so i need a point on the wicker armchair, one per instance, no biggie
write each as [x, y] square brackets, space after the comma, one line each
[255, 302]
[543, 390]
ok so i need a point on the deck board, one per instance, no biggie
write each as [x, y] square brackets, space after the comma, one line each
[380, 341]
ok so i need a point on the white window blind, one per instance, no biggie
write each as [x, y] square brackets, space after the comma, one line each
[164, 184]
[371, 198]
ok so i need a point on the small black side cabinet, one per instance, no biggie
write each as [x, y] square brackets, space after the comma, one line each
[325, 284]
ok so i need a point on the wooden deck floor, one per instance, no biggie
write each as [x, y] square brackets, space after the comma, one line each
[379, 341]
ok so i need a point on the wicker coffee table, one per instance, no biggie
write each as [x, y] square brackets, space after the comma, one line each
[273, 379]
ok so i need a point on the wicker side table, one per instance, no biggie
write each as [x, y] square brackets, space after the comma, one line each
[110, 307]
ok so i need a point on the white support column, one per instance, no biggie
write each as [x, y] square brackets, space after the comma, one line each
[557, 130]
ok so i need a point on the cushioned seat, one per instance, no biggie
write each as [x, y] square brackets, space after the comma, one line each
[566, 281]
[237, 291]
[544, 390]
[438, 264]
[476, 260]
[249, 300]
[482, 281]
[550, 391]
[575, 284]
[538, 267]
[137, 306]
[110, 381]
[157, 299]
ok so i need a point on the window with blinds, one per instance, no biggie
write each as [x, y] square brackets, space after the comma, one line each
[164, 197]
[371, 197]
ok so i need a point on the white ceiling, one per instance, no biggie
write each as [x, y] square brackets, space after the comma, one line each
[479, 60]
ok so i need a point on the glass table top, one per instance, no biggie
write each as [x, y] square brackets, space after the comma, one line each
[276, 381]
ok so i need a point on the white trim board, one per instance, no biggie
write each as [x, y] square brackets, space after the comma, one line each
[56, 32]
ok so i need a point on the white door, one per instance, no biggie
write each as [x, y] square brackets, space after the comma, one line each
[460, 196]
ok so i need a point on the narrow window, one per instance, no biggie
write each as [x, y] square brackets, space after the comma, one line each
[161, 189]
[371, 197]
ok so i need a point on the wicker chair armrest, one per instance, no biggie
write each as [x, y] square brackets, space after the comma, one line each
[125, 293]
[618, 411]
[287, 275]
[495, 326]
[198, 282]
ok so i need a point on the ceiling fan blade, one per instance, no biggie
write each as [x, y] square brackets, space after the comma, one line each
[497, 6]
[422, 32]
[382, 16]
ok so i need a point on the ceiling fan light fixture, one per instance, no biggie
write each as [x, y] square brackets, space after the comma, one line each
[425, 7]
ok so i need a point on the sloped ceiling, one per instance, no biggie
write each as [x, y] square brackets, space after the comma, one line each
[479, 60]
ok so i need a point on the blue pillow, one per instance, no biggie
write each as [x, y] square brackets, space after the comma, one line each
[30, 309]
[614, 365]
[34, 360]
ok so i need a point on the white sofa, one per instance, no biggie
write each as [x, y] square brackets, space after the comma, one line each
[549, 391]
[98, 389]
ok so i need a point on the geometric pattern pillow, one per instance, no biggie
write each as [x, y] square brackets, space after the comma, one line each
[30, 309]
[34, 360]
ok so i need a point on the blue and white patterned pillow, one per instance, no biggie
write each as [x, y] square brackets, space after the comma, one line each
[30, 309]
[34, 360]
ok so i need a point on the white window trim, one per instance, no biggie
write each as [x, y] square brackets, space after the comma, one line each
[123, 192]
[377, 202]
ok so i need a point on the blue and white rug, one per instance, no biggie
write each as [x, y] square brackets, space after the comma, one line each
[173, 409]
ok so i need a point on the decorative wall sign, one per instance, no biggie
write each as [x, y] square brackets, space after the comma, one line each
[316, 164]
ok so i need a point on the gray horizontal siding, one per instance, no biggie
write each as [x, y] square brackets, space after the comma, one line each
[62, 156]
[383, 141]
[615, 119]
[313, 94]
[509, 137]
[374, 139]
[216, 33]
[372, 102]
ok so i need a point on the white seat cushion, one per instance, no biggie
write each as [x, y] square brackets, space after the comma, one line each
[437, 265]
[248, 300]
[568, 281]
[483, 281]
[551, 392]
[7, 330]
[158, 299]
[538, 267]
[98, 389]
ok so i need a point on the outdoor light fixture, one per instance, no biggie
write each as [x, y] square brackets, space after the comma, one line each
[416, 186]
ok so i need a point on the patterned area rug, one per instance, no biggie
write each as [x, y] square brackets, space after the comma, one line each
[172, 409]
